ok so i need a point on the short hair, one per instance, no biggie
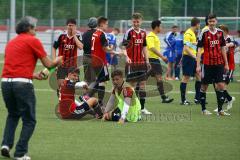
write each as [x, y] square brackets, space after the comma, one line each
[117, 72]
[116, 29]
[155, 23]
[174, 26]
[212, 16]
[71, 21]
[206, 20]
[137, 16]
[73, 70]
[224, 28]
[195, 21]
[92, 22]
[101, 20]
[25, 24]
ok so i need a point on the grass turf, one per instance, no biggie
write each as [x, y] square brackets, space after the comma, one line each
[175, 132]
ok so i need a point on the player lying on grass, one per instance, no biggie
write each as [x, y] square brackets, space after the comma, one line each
[123, 104]
[70, 108]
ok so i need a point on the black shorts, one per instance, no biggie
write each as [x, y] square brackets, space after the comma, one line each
[89, 75]
[156, 67]
[62, 73]
[136, 72]
[101, 73]
[212, 74]
[188, 65]
[116, 114]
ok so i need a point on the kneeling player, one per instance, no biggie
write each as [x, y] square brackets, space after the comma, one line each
[70, 108]
[123, 104]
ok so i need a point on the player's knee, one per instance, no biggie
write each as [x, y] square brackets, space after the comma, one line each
[185, 79]
[204, 88]
[220, 86]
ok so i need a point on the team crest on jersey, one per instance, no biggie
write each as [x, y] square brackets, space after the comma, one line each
[142, 34]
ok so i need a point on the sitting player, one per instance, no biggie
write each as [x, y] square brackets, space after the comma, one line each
[123, 104]
[70, 108]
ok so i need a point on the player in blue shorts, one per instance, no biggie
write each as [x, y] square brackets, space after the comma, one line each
[178, 49]
[170, 40]
[112, 59]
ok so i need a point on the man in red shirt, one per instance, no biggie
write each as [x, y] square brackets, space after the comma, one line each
[230, 45]
[99, 47]
[69, 107]
[214, 63]
[137, 62]
[21, 55]
[67, 44]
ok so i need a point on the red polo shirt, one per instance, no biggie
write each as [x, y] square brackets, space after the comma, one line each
[21, 55]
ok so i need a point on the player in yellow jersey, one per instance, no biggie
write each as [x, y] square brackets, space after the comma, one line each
[189, 61]
[153, 47]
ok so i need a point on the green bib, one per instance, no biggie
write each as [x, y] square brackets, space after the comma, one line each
[134, 112]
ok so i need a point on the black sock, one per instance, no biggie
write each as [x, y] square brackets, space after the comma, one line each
[197, 89]
[58, 93]
[202, 96]
[137, 89]
[183, 87]
[161, 89]
[142, 102]
[98, 110]
[101, 93]
[142, 95]
[229, 98]
[220, 99]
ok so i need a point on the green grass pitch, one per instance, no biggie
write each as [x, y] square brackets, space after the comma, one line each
[175, 132]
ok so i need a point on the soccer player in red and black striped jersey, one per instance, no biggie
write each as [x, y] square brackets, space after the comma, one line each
[69, 107]
[137, 62]
[67, 44]
[231, 45]
[215, 63]
[99, 47]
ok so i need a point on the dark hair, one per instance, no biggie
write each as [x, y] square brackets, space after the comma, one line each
[101, 20]
[155, 23]
[224, 28]
[25, 24]
[212, 16]
[195, 21]
[206, 20]
[73, 70]
[116, 29]
[117, 72]
[137, 16]
[71, 21]
[174, 26]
